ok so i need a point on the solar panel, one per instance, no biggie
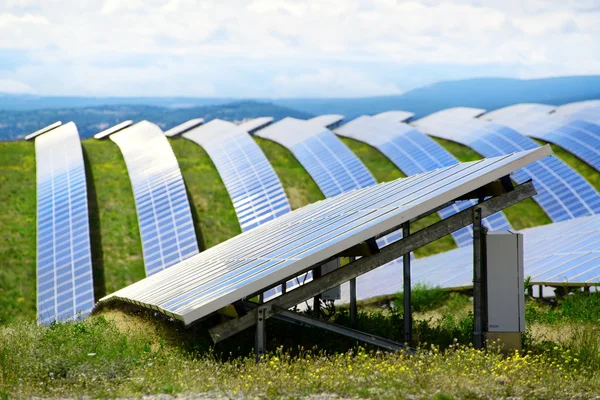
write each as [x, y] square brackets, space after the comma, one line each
[413, 153]
[182, 128]
[579, 137]
[255, 124]
[562, 193]
[163, 210]
[253, 185]
[65, 287]
[329, 121]
[43, 130]
[331, 164]
[395, 116]
[518, 111]
[588, 110]
[562, 253]
[263, 257]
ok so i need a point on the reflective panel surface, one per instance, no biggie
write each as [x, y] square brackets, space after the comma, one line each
[65, 288]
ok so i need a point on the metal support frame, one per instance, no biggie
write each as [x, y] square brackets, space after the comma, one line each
[317, 298]
[365, 264]
[353, 309]
[479, 279]
[261, 334]
[407, 290]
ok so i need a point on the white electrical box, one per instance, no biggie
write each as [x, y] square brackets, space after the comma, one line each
[505, 282]
[336, 292]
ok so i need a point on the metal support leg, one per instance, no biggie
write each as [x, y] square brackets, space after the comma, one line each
[261, 339]
[261, 298]
[479, 283]
[353, 309]
[540, 292]
[317, 299]
[407, 288]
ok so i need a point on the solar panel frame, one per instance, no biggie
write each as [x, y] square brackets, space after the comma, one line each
[518, 111]
[164, 214]
[588, 110]
[65, 289]
[255, 124]
[562, 192]
[394, 115]
[328, 120]
[184, 127]
[280, 249]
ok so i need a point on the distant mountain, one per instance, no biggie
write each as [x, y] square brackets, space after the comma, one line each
[33, 102]
[15, 125]
[486, 93]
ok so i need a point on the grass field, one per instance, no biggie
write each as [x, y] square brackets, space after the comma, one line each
[116, 241]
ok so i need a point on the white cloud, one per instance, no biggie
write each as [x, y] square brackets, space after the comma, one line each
[305, 39]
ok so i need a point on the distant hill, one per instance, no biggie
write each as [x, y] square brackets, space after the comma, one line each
[90, 120]
[487, 93]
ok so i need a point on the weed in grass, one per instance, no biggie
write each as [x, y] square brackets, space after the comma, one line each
[423, 298]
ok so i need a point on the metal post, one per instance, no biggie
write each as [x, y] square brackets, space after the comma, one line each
[261, 339]
[540, 292]
[353, 309]
[407, 287]
[284, 288]
[317, 299]
[261, 298]
[479, 283]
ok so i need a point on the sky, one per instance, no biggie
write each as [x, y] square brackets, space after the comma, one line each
[287, 48]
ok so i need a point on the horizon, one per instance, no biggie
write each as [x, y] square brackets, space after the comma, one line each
[278, 49]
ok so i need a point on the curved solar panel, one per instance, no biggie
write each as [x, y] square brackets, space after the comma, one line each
[588, 110]
[329, 121]
[263, 257]
[254, 124]
[64, 266]
[253, 185]
[518, 111]
[331, 164]
[413, 153]
[562, 192]
[163, 210]
[579, 137]
[394, 115]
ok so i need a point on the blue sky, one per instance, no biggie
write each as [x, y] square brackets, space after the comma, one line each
[286, 48]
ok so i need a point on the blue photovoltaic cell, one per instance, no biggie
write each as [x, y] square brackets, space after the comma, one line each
[253, 185]
[331, 164]
[65, 287]
[163, 210]
[582, 110]
[414, 153]
[582, 138]
[562, 193]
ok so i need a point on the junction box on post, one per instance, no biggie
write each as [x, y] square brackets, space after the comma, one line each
[505, 289]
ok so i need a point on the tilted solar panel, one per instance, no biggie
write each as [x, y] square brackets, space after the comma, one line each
[413, 153]
[255, 124]
[588, 110]
[263, 257]
[562, 253]
[518, 111]
[163, 210]
[562, 192]
[65, 287]
[581, 138]
[394, 116]
[331, 164]
[251, 181]
[329, 121]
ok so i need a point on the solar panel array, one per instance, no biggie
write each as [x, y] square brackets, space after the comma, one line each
[253, 185]
[579, 137]
[184, 127]
[582, 110]
[413, 153]
[331, 164]
[65, 287]
[562, 253]
[562, 192]
[163, 210]
[263, 257]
